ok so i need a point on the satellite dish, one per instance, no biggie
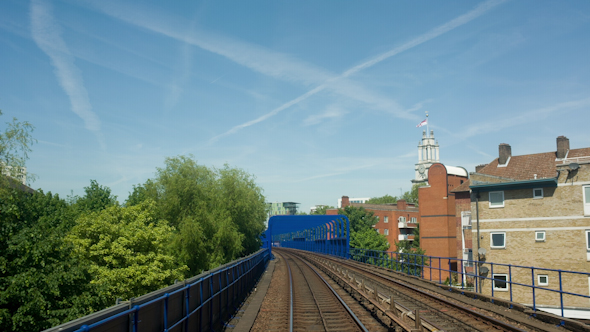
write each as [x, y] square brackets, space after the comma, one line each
[483, 270]
[574, 166]
[481, 251]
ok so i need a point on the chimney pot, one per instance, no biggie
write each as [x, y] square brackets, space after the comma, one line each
[505, 152]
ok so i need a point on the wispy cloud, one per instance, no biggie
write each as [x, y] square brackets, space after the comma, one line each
[332, 112]
[524, 118]
[283, 66]
[459, 21]
[46, 33]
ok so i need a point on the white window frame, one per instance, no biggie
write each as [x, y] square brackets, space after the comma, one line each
[587, 233]
[402, 219]
[386, 219]
[378, 218]
[495, 276]
[539, 283]
[490, 199]
[537, 236]
[377, 229]
[585, 199]
[386, 231]
[492, 240]
[414, 220]
[537, 196]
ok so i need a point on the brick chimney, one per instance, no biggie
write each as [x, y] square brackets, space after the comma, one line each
[505, 152]
[345, 201]
[563, 146]
[479, 167]
[402, 204]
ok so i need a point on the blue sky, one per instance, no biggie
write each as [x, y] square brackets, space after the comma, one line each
[317, 99]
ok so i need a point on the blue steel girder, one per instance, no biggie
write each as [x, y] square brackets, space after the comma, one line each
[329, 234]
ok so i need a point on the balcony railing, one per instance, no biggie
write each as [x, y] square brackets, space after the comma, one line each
[405, 237]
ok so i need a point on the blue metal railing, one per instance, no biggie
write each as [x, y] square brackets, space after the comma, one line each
[460, 273]
[203, 303]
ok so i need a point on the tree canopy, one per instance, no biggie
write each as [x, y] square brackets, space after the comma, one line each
[362, 233]
[15, 145]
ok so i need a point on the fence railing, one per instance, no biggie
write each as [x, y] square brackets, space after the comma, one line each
[543, 287]
[202, 303]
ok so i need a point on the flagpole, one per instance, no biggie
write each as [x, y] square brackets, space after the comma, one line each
[427, 131]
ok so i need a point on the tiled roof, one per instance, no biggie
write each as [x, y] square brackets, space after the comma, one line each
[525, 167]
[463, 187]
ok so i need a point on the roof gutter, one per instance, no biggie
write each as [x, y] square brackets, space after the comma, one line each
[527, 184]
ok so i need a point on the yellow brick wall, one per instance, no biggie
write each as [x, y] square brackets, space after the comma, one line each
[563, 249]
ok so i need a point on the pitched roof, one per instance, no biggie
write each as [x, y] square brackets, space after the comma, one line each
[527, 167]
[463, 187]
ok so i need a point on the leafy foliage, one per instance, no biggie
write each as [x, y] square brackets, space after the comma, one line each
[15, 146]
[124, 248]
[96, 198]
[362, 233]
[387, 199]
[41, 285]
[409, 196]
[219, 214]
[322, 209]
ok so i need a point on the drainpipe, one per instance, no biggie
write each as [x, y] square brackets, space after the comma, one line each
[477, 218]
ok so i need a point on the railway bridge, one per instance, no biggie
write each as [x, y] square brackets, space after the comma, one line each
[307, 278]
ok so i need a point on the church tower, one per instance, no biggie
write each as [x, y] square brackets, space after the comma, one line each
[428, 154]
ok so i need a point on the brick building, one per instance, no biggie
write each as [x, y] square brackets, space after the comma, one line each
[438, 212]
[397, 221]
[532, 210]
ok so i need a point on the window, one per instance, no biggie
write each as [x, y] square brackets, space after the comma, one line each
[586, 200]
[498, 240]
[402, 219]
[386, 232]
[496, 199]
[378, 218]
[542, 280]
[414, 220]
[500, 282]
[537, 193]
[377, 229]
[588, 240]
[386, 219]
[540, 236]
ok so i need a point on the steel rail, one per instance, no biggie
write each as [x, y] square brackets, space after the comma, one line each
[346, 307]
[290, 293]
[449, 303]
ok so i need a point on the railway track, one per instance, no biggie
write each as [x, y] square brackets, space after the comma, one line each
[408, 308]
[313, 304]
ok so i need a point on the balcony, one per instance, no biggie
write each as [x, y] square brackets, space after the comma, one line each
[405, 237]
[406, 224]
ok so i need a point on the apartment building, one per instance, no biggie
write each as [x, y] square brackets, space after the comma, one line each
[397, 221]
[532, 210]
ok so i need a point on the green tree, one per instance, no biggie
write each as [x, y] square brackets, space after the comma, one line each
[219, 214]
[322, 209]
[386, 199]
[15, 145]
[125, 249]
[41, 285]
[412, 196]
[362, 233]
[141, 193]
[96, 198]
[245, 204]
[411, 254]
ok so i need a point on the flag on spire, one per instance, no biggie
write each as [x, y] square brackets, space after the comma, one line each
[423, 123]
